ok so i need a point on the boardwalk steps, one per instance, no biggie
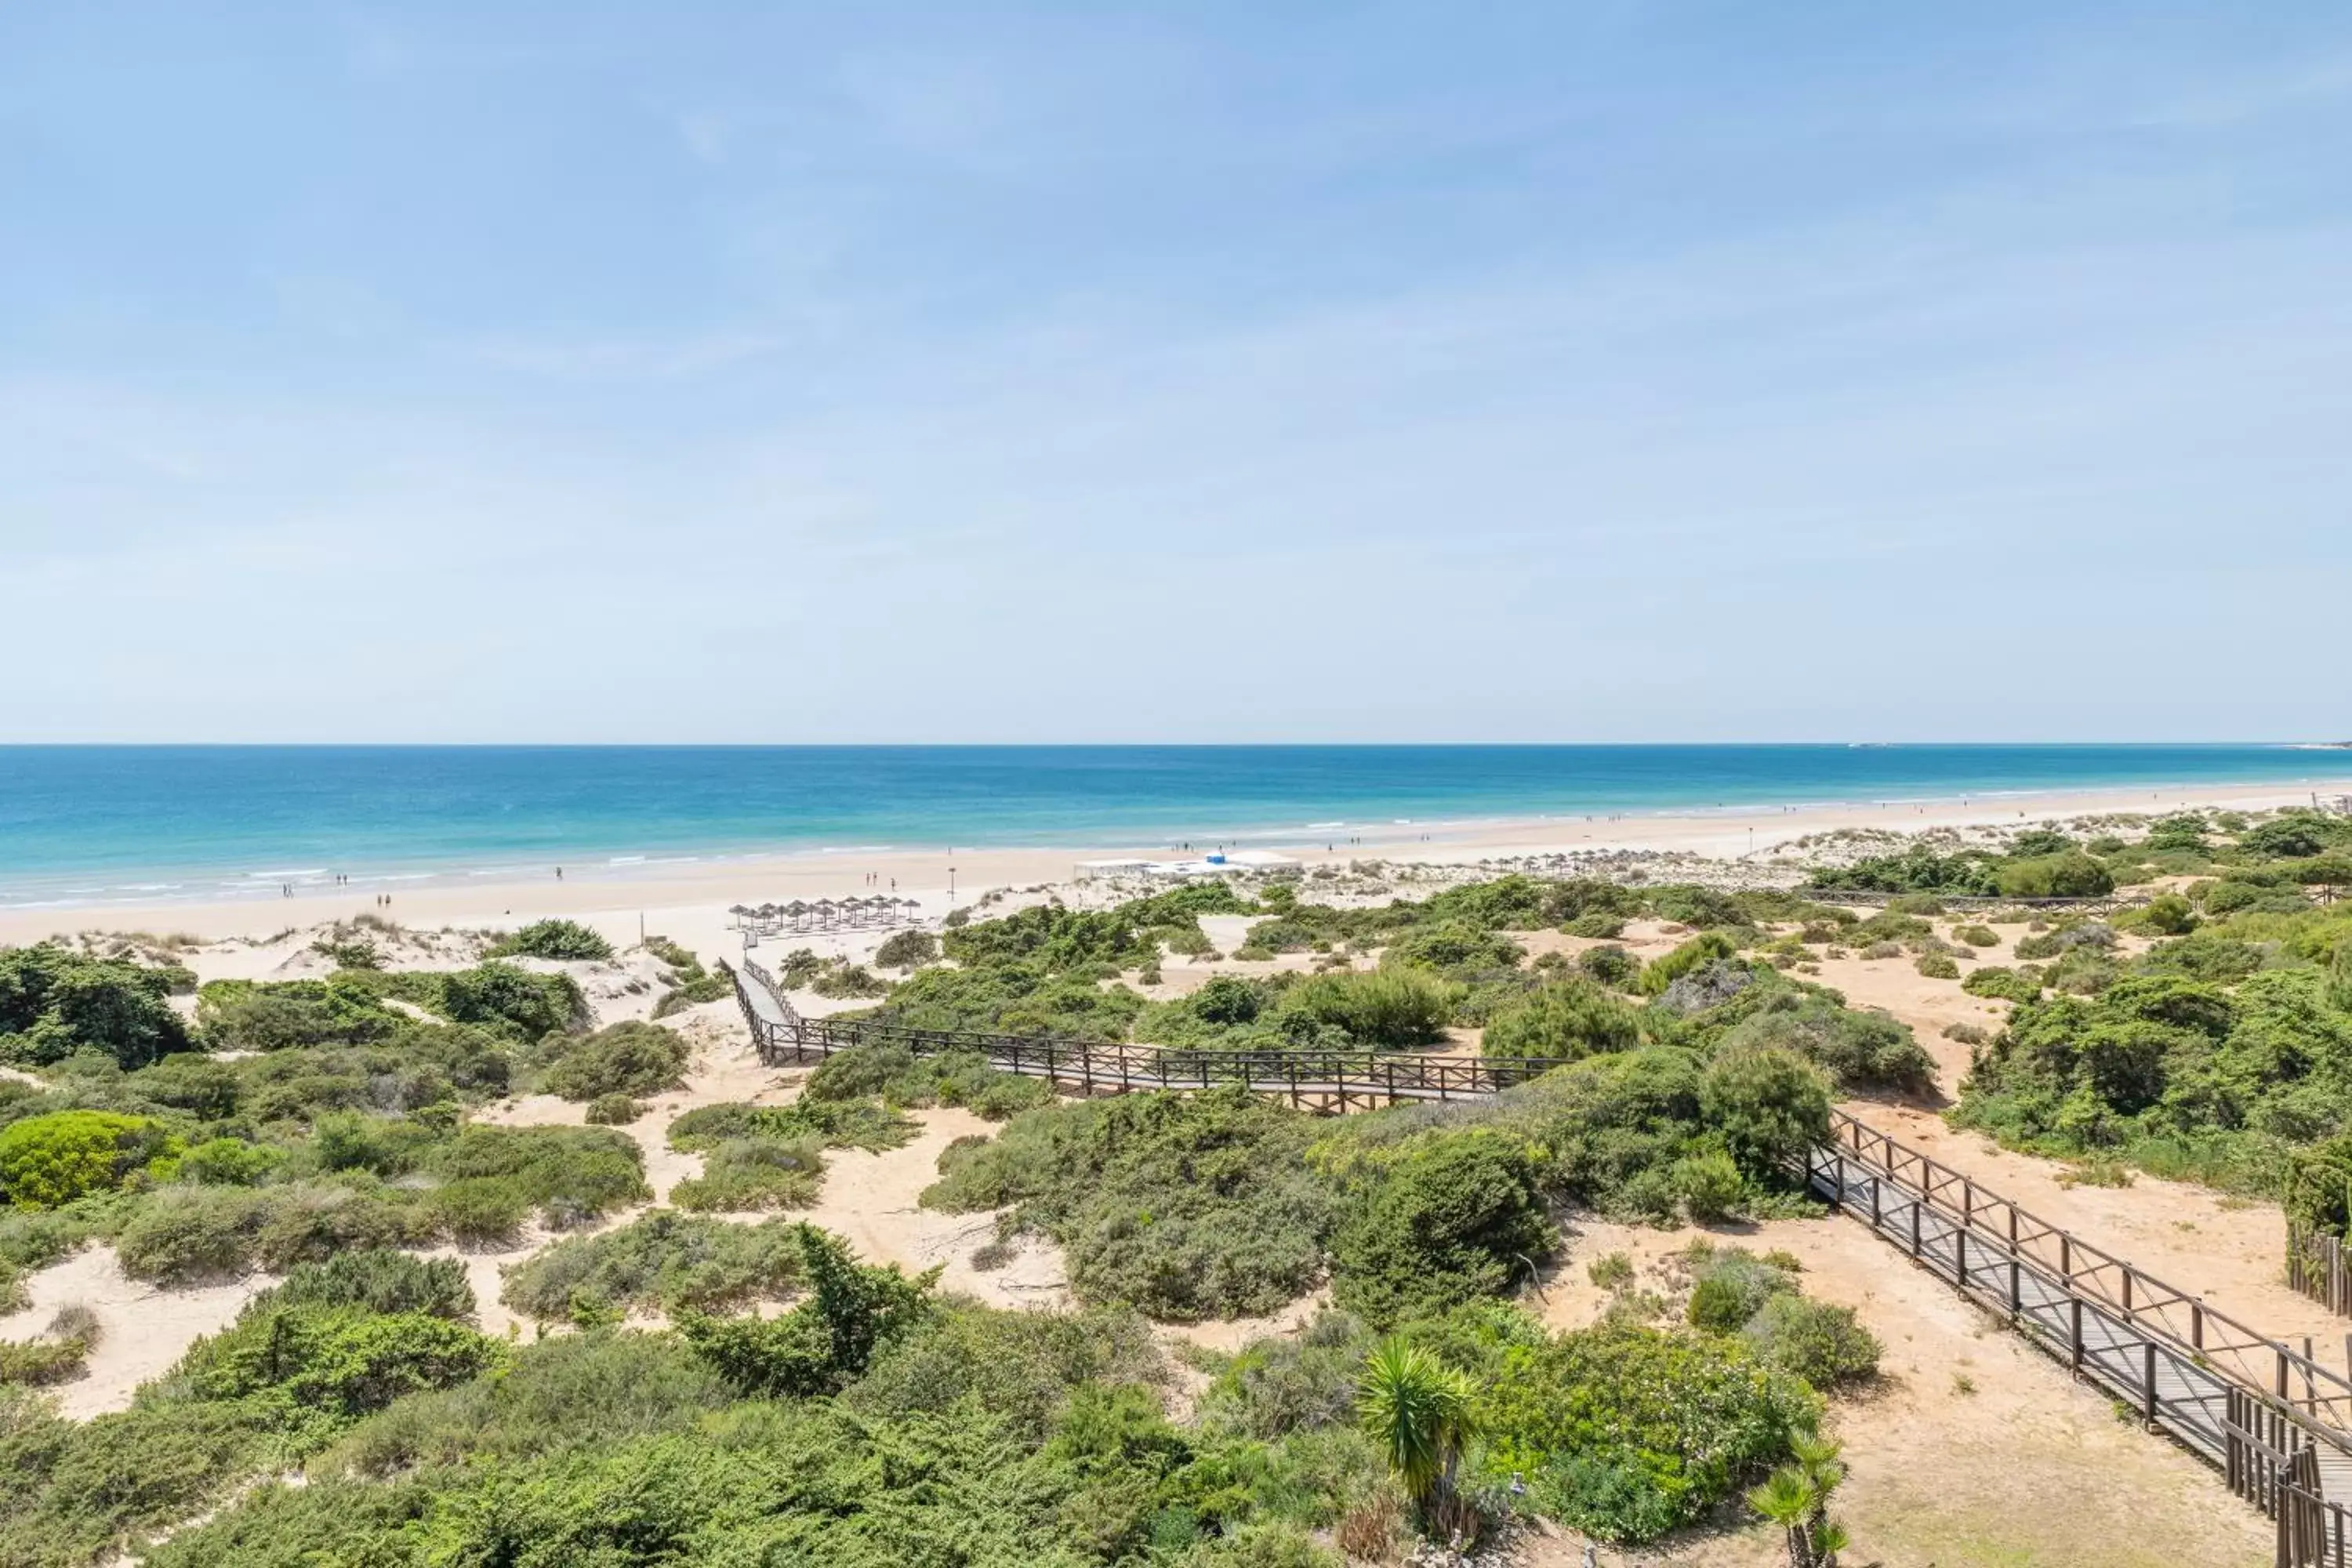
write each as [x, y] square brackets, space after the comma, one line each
[2275, 1422]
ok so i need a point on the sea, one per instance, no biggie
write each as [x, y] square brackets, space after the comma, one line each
[92, 825]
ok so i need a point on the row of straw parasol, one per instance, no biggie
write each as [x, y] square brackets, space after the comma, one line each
[825, 914]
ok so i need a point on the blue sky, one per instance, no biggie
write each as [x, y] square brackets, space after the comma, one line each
[501, 372]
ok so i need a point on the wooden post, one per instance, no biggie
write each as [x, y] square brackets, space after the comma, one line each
[2016, 1297]
[1960, 1260]
[1915, 1204]
[2074, 1335]
[2147, 1382]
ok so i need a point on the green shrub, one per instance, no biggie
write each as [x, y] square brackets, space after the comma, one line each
[328, 1361]
[523, 1006]
[1565, 1018]
[561, 940]
[834, 1124]
[230, 1163]
[629, 1059]
[1977, 936]
[2070, 875]
[79, 1490]
[910, 949]
[1611, 966]
[2002, 985]
[1446, 1221]
[1730, 1286]
[2168, 914]
[1627, 1433]
[1938, 966]
[1595, 923]
[276, 1016]
[1023, 1367]
[1702, 950]
[1391, 1009]
[1859, 1050]
[1185, 1206]
[751, 1173]
[1769, 1106]
[900, 1077]
[1824, 1345]
[313, 1223]
[54, 1003]
[49, 1161]
[180, 1235]
[492, 1178]
[1709, 1185]
[662, 1260]
[613, 1110]
[479, 1211]
[376, 1280]
[1452, 948]
[827, 1341]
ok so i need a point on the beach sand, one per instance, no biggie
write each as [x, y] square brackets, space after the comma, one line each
[689, 902]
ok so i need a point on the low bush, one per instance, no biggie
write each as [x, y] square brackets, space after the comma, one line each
[910, 949]
[49, 1161]
[1596, 924]
[1390, 1009]
[53, 1003]
[1938, 966]
[1977, 936]
[181, 1235]
[613, 1110]
[629, 1059]
[1567, 1019]
[376, 1280]
[1859, 1050]
[835, 1123]
[1707, 948]
[1611, 966]
[746, 1175]
[1823, 1344]
[1185, 1206]
[1443, 1221]
[827, 1342]
[1628, 1433]
[2002, 985]
[561, 940]
[662, 1260]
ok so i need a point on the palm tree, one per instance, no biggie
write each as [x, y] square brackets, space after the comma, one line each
[1789, 1500]
[1418, 1410]
[1796, 1497]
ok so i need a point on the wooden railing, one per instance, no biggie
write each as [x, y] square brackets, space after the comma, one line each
[2227, 1391]
[1328, 1080]
[2221, 1387]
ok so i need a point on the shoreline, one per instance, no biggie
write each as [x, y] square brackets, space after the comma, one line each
[693, 893]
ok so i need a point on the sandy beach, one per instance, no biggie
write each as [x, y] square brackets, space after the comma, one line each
[688, 901]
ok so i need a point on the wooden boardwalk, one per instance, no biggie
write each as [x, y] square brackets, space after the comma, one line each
[2275, 1422]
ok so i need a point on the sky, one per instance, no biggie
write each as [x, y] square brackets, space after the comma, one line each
[706, 371]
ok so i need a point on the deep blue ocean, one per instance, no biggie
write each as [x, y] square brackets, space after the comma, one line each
[80, 824]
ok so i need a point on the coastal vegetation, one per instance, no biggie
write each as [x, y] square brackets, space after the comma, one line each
[2220, 1052]
[717, 1382]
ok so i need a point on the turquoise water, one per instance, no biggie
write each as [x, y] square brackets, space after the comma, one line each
[82, 824]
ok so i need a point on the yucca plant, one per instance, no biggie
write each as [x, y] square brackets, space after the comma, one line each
[1418, 1410]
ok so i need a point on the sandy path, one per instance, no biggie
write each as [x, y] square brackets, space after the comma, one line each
[2229, 1250]
[2030, 1468]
